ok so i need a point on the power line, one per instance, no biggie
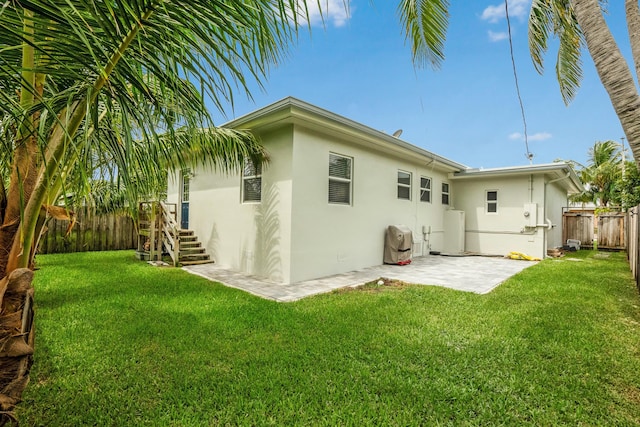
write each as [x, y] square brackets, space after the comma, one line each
[528, 154]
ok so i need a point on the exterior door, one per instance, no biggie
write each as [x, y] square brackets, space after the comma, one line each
[184, 200]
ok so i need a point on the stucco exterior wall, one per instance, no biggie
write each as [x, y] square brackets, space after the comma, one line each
[295, 234]
[253, 238]
[504, 231]
[329, 238]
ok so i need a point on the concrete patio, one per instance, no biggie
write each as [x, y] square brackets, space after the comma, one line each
[467, 273]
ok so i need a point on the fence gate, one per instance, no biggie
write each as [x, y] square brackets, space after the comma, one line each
[611, 231]
[578, 226]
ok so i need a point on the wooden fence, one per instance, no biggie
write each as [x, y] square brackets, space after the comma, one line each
[90, 233]
[633, 245]
[578, 226]
[611, 229]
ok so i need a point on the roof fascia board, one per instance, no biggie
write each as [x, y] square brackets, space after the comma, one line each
[555, 170]
[291, 110]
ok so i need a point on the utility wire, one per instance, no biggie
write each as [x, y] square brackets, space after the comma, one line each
[528, 154]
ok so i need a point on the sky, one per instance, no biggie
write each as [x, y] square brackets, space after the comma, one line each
[357, 64]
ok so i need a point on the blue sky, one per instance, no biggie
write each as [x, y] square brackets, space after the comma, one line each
[359, 66]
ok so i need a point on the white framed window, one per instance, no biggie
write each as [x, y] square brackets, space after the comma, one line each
[186, 182]
[491, 198]
[251, 182]
[404, 185]
[340, 181]
[445, 193]
[425, 189]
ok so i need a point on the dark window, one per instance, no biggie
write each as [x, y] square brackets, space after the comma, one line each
[445, 193]
[492, 201]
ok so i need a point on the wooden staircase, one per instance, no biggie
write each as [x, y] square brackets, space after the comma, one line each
[191, 251]
[159, 234]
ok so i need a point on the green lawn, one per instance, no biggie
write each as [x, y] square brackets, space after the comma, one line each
[122, 343]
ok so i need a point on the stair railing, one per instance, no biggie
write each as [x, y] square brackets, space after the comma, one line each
[170, 231]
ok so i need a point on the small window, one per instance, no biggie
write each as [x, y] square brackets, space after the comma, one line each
[340, 169]
[445, 193]
[251, 182]
[492, 201]
[186, 181]
[425, 189]
[404, 185]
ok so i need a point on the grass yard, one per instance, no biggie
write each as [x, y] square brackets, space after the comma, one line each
[121, 343]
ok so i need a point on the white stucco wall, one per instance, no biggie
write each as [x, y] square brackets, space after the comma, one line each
[328, 238]
[502, 232]
[253, 238]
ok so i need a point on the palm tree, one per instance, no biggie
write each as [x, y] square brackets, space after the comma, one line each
[577, 23]
[84, 83]
[603, 174]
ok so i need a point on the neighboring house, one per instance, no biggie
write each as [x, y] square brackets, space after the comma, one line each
[322, 204]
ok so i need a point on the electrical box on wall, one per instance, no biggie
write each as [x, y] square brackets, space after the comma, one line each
[530, 214]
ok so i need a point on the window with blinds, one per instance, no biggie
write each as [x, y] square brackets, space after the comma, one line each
[404, 185]
[425, 189]
[340, 169]
[251, 183]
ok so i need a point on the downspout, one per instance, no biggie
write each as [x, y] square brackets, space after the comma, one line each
[548, 225]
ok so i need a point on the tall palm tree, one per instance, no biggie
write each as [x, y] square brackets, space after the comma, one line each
[575, 23]
[602, 175]
[72, 71]
[579, 23]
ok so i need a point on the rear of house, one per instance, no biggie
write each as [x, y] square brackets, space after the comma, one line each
[322, 204]
[515, 209]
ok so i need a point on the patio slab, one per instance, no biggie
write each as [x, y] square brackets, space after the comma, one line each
[465, 273]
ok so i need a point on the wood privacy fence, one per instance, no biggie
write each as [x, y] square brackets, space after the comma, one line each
[615, 231]
[578, 226]
[612, 231]
[90, 233]
[581, 225]
[633, 239]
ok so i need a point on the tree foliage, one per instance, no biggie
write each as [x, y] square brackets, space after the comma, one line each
[610, 180]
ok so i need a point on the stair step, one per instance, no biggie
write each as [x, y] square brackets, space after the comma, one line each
[190, 244]
[188, 238]
[190, 251]
[202, 261]
[191, 257]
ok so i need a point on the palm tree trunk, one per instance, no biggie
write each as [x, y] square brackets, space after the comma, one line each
[16, 339]
[612, 68]
[633, 26]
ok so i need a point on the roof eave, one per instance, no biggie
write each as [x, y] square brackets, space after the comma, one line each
[295, 111]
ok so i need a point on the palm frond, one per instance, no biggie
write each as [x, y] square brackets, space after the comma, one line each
[425, 25]
[555, 18]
